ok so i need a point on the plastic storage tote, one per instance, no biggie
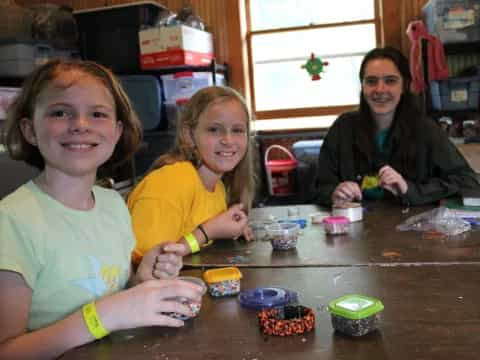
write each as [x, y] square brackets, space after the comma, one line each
[182, 85]
[453, 21]
[18, 59]
[307, 150]
[455, 93]
[146, 95]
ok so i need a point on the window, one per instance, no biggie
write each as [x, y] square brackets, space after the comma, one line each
[281, 36]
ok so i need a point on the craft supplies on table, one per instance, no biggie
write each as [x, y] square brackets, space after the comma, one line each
[194, 306]
[335, 225]
[223, 281]
[267, 297]
[353, 211]
[283, 235]
[354, 314]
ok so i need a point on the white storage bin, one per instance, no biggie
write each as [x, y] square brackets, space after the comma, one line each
[173, 111]
[182, 85]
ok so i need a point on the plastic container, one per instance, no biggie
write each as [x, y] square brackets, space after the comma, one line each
[223, 281]
[194, 306]
[185, 84]
[335, 225]
[259, 228]
[353, 211]
[453, 21]
[307, 150]
[174, 111]
[280, 173]
[355, 315]
[146, 95]
[19, 59]
[317, 218]
[461, 93]
[283, 236]
[109, 35]
[264, 298]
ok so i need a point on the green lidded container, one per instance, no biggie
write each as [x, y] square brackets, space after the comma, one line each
[355, 314]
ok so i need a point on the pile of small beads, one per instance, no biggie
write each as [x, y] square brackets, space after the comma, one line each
[224, 288]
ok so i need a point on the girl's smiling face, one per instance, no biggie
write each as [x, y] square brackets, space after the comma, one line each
[74, 125]
[221, 136]
[382, 86]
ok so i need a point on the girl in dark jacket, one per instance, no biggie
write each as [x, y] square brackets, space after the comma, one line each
[388, 148]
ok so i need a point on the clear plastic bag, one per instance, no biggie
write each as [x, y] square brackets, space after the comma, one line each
[439, 219]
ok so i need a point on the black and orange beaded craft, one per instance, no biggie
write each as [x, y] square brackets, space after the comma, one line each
[287, 320]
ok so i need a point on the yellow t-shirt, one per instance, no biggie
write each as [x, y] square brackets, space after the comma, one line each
[169, 203]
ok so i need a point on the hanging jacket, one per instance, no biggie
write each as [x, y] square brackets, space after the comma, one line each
[437, 64]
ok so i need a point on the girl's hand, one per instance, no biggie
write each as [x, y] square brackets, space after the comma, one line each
[163, 261]
[248, 233]
[227, 225]
[347, 191]
[392, 181]
[146, 303]
[180, 249]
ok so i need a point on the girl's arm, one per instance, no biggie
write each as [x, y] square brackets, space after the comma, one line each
[229, 224]
[142, 305]
[327, 173]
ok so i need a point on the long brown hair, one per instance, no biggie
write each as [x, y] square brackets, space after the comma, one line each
[240, 182]
[407, 114]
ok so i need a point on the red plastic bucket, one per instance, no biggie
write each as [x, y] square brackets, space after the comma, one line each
[280, 173]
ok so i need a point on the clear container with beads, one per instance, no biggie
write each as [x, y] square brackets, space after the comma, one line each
[223, 281]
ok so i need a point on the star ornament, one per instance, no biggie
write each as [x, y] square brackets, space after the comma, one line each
[315, 66]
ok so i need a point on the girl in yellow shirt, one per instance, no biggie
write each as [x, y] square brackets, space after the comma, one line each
[201, 190]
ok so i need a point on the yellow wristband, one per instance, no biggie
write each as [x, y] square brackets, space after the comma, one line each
[93, 322]
[192, 243]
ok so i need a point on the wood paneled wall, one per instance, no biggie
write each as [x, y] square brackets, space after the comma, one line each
[222, 19]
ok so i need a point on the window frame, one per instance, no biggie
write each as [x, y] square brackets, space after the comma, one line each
[307, 111]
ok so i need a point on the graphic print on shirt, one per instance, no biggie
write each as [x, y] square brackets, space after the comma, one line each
[105, 281]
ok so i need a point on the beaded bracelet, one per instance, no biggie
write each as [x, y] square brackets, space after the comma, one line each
[208, 241]
[287, 320]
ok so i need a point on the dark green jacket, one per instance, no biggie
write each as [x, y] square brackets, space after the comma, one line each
[439, 171]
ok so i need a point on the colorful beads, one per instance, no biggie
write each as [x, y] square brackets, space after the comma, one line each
[286, 321]
[224, 288]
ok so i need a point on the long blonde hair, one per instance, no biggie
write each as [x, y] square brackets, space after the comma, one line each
[240, 182]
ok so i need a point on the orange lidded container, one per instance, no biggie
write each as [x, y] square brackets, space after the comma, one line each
[223, 281]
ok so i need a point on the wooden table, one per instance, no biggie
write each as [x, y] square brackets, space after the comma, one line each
[431, 312]
[371, 241]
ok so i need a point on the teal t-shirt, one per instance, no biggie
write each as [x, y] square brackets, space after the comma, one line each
[67, 257]
[377, 192]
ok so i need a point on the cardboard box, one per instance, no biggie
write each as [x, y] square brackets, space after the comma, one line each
[173, 46]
